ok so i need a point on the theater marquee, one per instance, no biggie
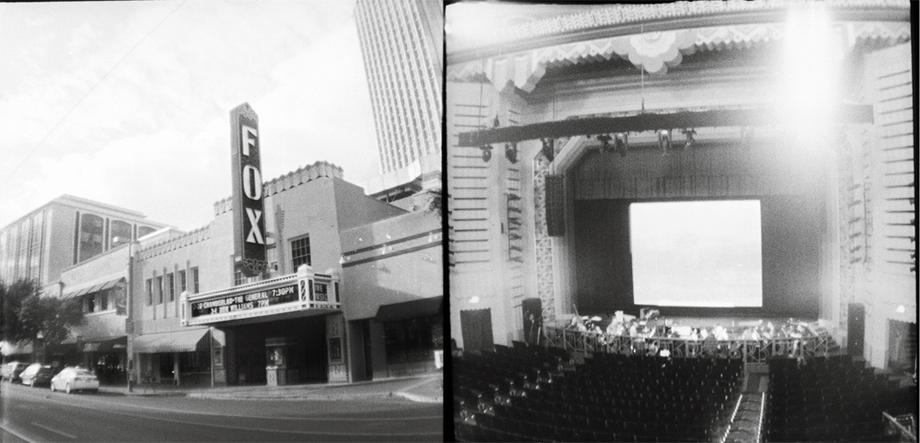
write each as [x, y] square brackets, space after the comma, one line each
[245, 302]
[302, 291]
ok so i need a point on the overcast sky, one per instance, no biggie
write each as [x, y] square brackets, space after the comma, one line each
[128, 103]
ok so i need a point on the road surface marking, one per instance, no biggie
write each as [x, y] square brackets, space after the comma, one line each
[16, 434]
[50, 429]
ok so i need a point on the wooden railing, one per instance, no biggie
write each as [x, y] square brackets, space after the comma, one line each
[905, 425]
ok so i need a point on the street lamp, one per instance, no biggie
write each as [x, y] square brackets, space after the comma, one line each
[39, 346]
[129, 326]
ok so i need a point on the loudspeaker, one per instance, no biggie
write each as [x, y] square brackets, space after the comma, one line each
[856, 329]
[555, 205]
[532, 311]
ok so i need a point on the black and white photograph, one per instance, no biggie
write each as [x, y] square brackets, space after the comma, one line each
[682, 221]
[458, 220]
[222, 221]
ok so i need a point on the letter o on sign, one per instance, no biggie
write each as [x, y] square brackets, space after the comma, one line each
[252, 183]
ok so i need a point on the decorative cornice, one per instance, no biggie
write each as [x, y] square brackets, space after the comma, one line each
[653, 51]
[595, 18]
[188, 239]
[287, 181]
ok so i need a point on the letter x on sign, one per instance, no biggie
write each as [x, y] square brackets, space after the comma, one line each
[255, 235]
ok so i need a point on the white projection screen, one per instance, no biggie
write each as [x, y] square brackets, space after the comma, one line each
[699, 253]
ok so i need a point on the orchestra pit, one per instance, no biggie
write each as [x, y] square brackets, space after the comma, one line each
[688, 221]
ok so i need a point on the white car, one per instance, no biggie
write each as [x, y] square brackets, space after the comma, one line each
[36, 374]
[74, 379]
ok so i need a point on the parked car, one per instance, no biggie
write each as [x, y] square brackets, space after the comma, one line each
[36, 374]
[74, 378]
[11, 370]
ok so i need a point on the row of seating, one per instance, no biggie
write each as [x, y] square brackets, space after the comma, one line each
[478, 433]
[830, 399]
[530, 394]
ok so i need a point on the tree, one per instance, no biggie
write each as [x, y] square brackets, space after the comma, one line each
[26, 312]
[434, 201]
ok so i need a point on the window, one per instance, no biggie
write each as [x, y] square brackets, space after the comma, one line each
[194, 280]
[409, 340]
[237, 278]
[91, 232]
[119, 233]
[89, 304]
[35, 244]
[103, 300]
[300, 252]
[159, 288]
[171, 286]
[149, 292]
[182, 285]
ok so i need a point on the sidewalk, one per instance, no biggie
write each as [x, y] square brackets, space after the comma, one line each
[424, 388]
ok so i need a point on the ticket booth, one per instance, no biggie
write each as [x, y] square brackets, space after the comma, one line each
[279, 369]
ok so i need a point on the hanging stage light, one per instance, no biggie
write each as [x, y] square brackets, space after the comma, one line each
[664, 141]
[621, 143]
[486, 153]
[511, 152]
[605, 142]
[689, 134]
[548, 149]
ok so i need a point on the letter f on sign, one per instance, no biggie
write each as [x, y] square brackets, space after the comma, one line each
[255, 235]
[249, 138]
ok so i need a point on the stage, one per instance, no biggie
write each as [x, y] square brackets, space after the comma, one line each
[791, 338]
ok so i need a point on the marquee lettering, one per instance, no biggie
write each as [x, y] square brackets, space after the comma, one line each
[249, 135]
[254, 236]
[252, 183]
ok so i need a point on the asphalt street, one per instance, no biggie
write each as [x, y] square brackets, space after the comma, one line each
[37, 414]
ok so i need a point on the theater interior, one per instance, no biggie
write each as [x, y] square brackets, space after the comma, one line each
[682, 222]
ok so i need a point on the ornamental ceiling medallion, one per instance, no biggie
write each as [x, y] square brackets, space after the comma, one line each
[656, 51]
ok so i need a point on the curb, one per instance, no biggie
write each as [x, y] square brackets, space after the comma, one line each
[204, 395]
[419, 398]
[150, 394]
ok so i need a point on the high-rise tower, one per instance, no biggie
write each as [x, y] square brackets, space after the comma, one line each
[402, 43]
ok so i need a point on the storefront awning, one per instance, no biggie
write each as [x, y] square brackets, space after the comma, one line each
[90, 287]
[177, 341]
[424, 307]
[118, 344]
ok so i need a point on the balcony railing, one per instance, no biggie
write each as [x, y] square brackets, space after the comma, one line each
[750, 351]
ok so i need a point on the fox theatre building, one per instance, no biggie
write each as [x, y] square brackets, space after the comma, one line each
[254, 296]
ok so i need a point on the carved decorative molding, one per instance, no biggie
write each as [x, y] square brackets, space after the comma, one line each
[654, 51]
[544, 244]
[619, 15]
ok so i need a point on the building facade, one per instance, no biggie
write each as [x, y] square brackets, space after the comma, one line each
[527, 234]
[63, 233]
[197, 321]
[392, 275]
[352, 289]
[402, 45]
[75, 247]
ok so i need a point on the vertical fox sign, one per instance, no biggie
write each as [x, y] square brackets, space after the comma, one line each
[248, 207]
